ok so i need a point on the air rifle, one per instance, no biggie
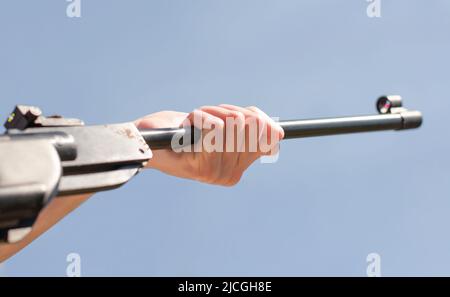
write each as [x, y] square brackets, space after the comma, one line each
[46, 157]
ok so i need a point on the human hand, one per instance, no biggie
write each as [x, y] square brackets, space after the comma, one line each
[238, 136]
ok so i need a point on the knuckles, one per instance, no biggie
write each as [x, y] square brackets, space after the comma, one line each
[205, 167]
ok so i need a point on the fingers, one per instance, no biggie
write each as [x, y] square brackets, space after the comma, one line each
[270, 132]
[213, 163]
[253, 111]
[232, 139]
[212, 128]
[235, 128]
[276, 126]
[234, 123]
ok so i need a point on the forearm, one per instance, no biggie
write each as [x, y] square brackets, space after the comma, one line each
[50, 215]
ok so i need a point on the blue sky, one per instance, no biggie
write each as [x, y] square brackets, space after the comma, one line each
[322, 208]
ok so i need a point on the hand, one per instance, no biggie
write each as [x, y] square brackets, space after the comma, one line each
[221, 167]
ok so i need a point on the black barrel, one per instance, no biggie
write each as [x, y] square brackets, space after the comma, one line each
[162, 138]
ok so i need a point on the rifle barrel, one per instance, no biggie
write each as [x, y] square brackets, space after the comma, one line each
[162, 138]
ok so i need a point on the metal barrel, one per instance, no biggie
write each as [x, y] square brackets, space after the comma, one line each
[163, 138]
[353, 124]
